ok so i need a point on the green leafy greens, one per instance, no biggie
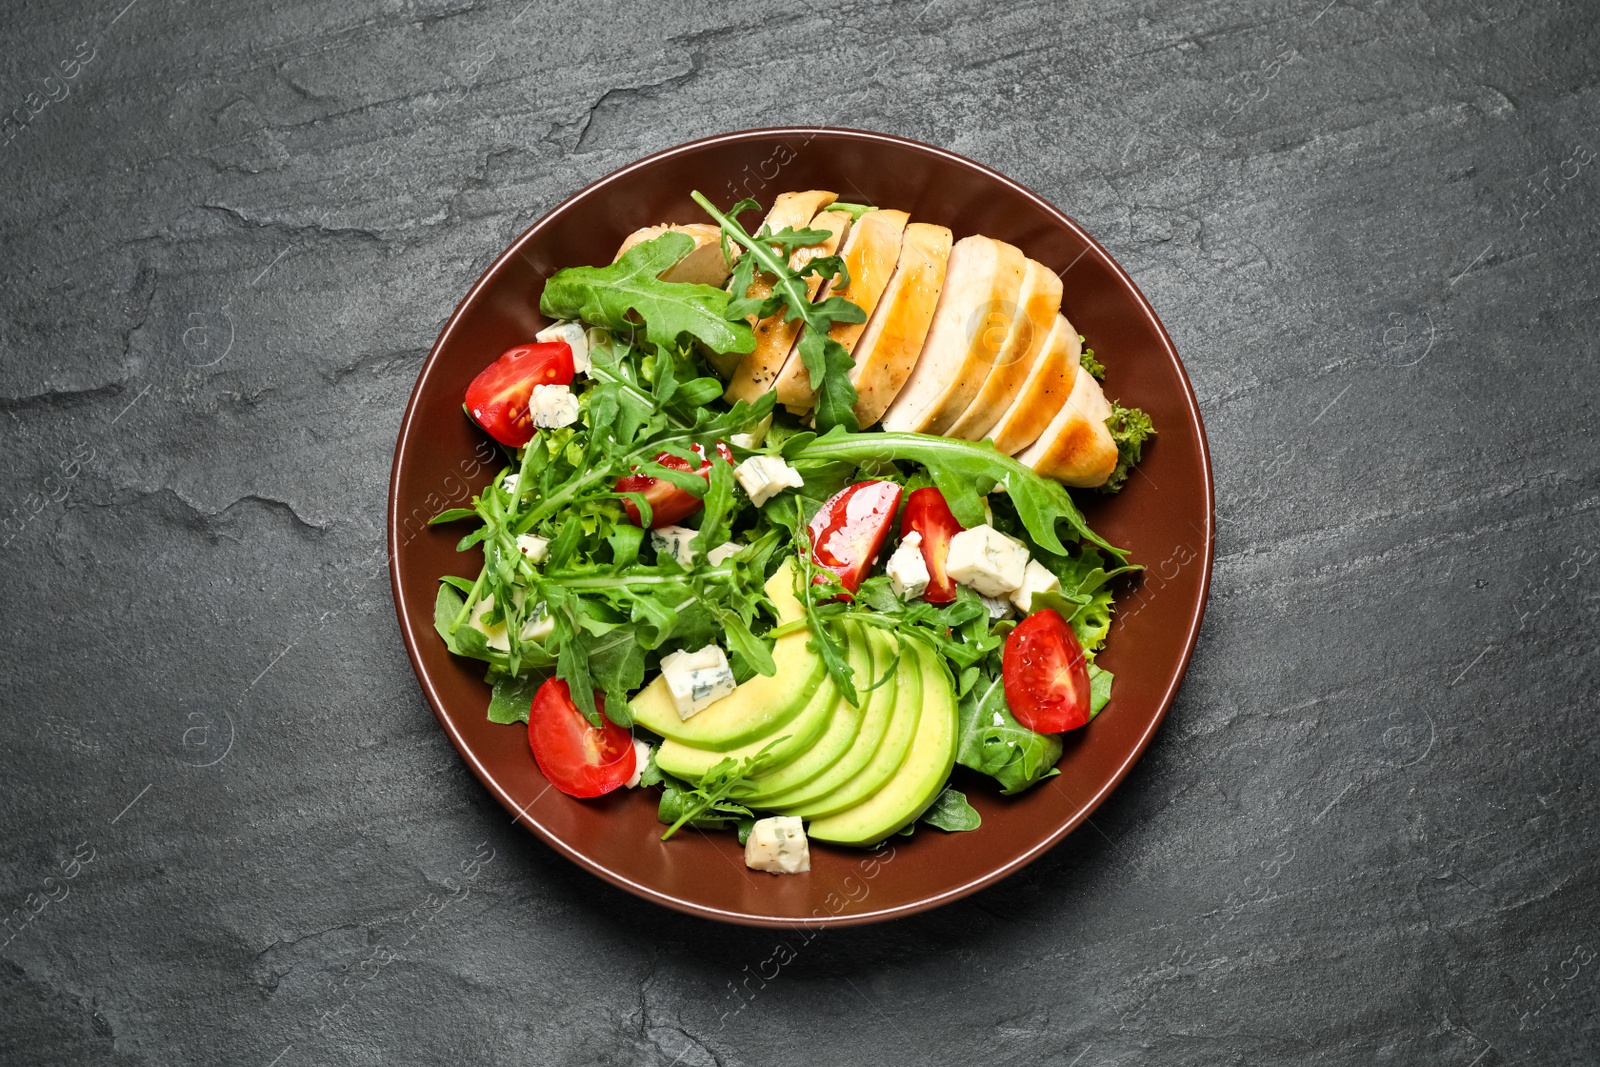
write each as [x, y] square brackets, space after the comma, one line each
[605, 602]
[708, 804]
[965, 471]
[607, 605]
[617, 296]
[1130, 429]
[826, 361]
[950, 811]
[1087, 361]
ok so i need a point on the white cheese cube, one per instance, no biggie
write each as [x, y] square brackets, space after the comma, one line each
[641, 760]
[908, 572]
[536, 627]
[510, 485]
[778, 845]
[755, 438]
[539, 625]
[764, 477]
[1036, 578]
[725, 551]
[553, 406]
[674, 541]
[697, 679]
[572, 333]
[999, 608]
[536, 548]
[987, 560]
[494, 632]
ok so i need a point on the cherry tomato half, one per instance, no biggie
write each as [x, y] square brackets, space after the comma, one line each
[668, 503]
[577, 759]
[498, 397]
[927, 514]
[848, 531]
[1045, 674]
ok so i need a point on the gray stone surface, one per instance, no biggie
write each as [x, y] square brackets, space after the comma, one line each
[1368, 831]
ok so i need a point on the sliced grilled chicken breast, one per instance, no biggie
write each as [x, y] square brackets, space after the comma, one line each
[758, 370]
[969, 328]
[889, 345]
[1049, 383]
[1038, 303]
[703, 266]
[1077, 447]
[870, 252]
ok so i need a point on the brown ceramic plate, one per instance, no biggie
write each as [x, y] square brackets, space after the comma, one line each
[1164, 517]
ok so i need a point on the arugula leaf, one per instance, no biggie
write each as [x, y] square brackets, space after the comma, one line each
[615, 296]
[950, 811]
[826, 361]
[447, 606]
[855, 211]
[681, 805]
[512, 697]
[828, 367]
[818, 608]
[708, 803]
[651, 775]
[616, 659]
[965, 471]
[1099, 689]
[1130, 429]
[994, 742]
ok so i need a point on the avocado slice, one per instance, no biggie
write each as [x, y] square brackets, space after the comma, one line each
[758, 706]
[788, 742]
[890, 754]
[872, 725]
[844, 730]
[920, 778]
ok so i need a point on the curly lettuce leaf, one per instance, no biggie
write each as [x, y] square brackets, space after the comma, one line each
[1088, 361]
[1130, 429]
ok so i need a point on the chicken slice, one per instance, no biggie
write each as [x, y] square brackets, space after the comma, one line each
[1049, 383]
[870, 252]
[892, 340]
[757, 371]
[1077, 447]
[1038, 303]
[703, 266]
[969, 328]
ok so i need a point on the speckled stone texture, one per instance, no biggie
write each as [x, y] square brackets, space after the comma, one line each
[1368, 831]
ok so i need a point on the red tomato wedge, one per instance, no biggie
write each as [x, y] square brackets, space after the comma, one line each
[498, 397]
[668, 503]
[848, 531]
[928, 515]
[577, 759]
[1045, 674]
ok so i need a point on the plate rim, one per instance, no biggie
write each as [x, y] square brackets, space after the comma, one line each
[409, 627]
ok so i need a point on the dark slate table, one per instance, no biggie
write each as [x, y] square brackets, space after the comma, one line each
[1367, 833]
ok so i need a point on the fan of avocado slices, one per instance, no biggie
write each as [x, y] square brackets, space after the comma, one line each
[849, 711]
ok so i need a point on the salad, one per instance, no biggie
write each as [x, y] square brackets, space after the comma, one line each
[784, 531]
